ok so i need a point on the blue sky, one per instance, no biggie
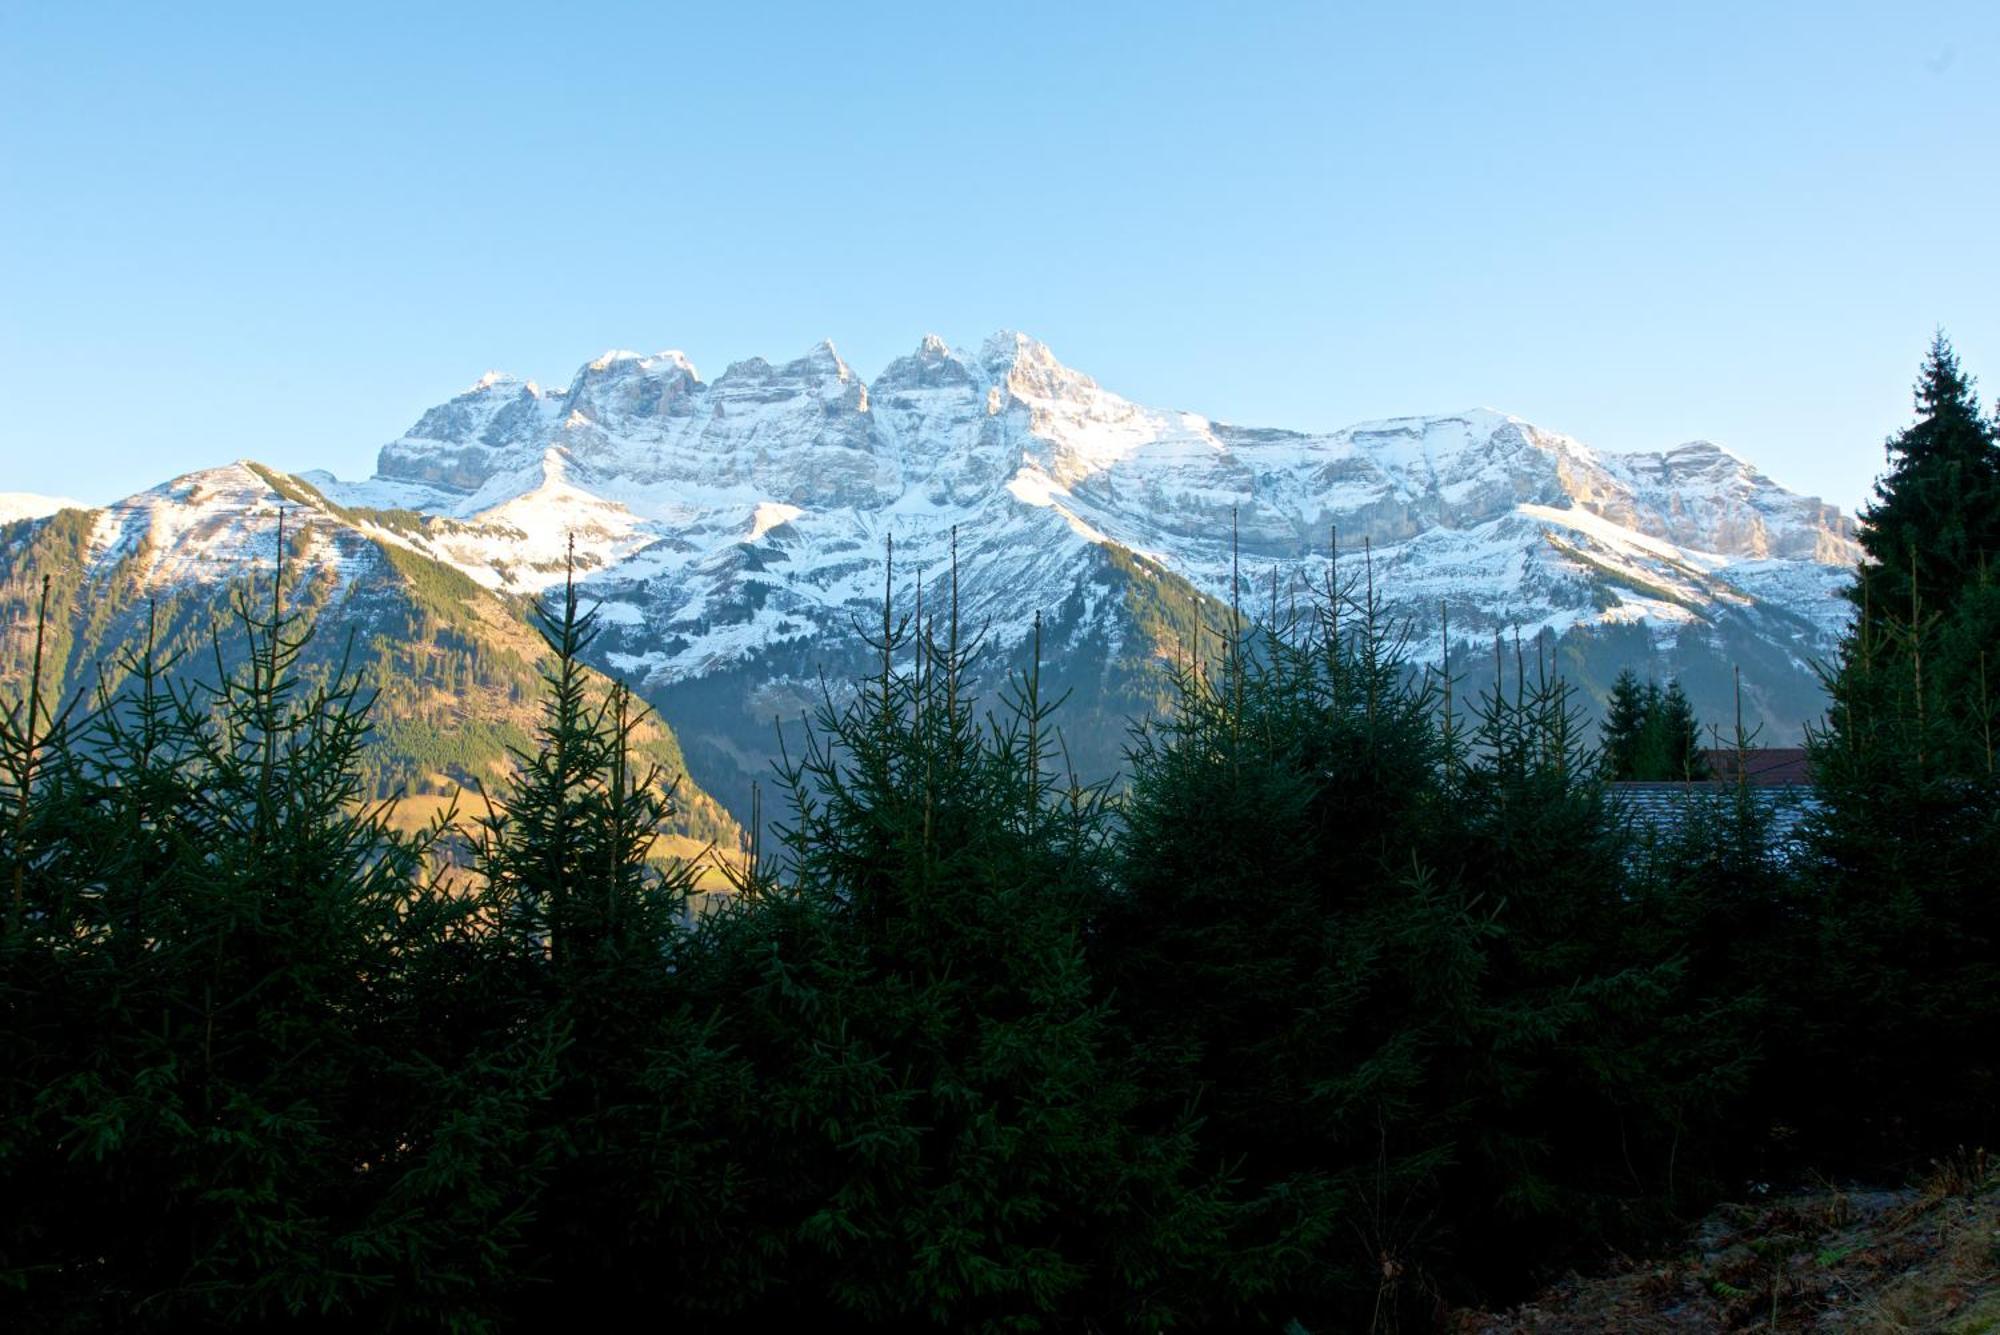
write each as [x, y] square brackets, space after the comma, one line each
[282, 231]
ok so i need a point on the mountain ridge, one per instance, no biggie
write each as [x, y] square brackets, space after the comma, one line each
[941, 432]
[32, 505]
[642, 395]
[452, 665]
[734, 530]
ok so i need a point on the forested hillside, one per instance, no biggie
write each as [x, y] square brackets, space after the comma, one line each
[1364, 1002]
[451, 665]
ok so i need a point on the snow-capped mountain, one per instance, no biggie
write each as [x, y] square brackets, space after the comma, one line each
[735, 529]
[453, 665]
[27, 505]
[663, 477]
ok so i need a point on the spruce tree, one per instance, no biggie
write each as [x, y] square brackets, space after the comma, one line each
[1933, 526]
[1289, 960]
[1909, 958]
[211, 1107]
[1563, 1092]
[944, 1137]
[1680, 736]
[1624, 722]
[1720, 894]
[1649, 734]
[587, 952]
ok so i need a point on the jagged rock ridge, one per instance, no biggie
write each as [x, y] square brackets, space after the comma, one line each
[736, 528]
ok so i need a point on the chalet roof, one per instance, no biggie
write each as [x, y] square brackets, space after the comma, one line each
[1762, 766]
[1659, 808]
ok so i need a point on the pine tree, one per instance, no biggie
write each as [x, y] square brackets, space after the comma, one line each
[587, 952]
[1719, 898]
[1624, 722]
[937, 1133]
[1649, 734]
[1934, 525]
[1909, 960]
[1563, 1093]
[1680, 736]
[1288, 960]
[565, 849]
[212, 1107]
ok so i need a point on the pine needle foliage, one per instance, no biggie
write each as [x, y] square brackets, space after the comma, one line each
[1284, 958]
[950, 1142]
[586, 945]
[219, 1097]
[1650, 735]
[1908, 961]
[1601, 1055]
[565, 853]
[1362, 998]
[1722, 895]
[1395, 958]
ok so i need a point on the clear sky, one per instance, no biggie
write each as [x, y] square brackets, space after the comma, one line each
[282, 231]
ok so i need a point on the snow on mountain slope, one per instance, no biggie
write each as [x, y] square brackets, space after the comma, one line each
[27, 505]
[208, 527]
[669, 483]
[737, 529]
[453, 666]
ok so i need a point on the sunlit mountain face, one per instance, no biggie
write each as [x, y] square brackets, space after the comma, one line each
[735, 532]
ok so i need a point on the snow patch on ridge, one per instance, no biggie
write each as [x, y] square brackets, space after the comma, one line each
[719, 518]
[17, 505]
[769, 515]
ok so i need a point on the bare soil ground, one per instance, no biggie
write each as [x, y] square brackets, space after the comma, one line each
[1919, 1259]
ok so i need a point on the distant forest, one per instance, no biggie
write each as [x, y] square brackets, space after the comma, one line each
[1364, 998]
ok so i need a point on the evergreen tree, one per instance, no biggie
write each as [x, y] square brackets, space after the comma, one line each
[565, 851]
[589, 949]
[1649, 734]
[1934, 524]
[221, 1106]
[945, 1138]
[1624, 722]
[1566, 1092]
[1288, 960]
[1680, 736]
[1719, 896]
[1908, 971]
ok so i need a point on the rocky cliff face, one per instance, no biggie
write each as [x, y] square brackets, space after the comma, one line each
[735, 529]
[948, 428]
[790, 479]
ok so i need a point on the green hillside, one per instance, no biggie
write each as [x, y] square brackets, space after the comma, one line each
[455, 665]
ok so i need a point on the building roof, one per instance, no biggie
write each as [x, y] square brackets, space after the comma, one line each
[1659, 808]
[1762, 766]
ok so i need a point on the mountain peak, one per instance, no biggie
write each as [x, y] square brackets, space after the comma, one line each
[27, 505]
[672, 358]
[824, 357]
[819, 363]
[933, 366]
[1030, 371]
[1696, 450]
[731, 527]
[1011, 347]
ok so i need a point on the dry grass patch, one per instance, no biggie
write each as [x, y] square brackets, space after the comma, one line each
[1920, 1259]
